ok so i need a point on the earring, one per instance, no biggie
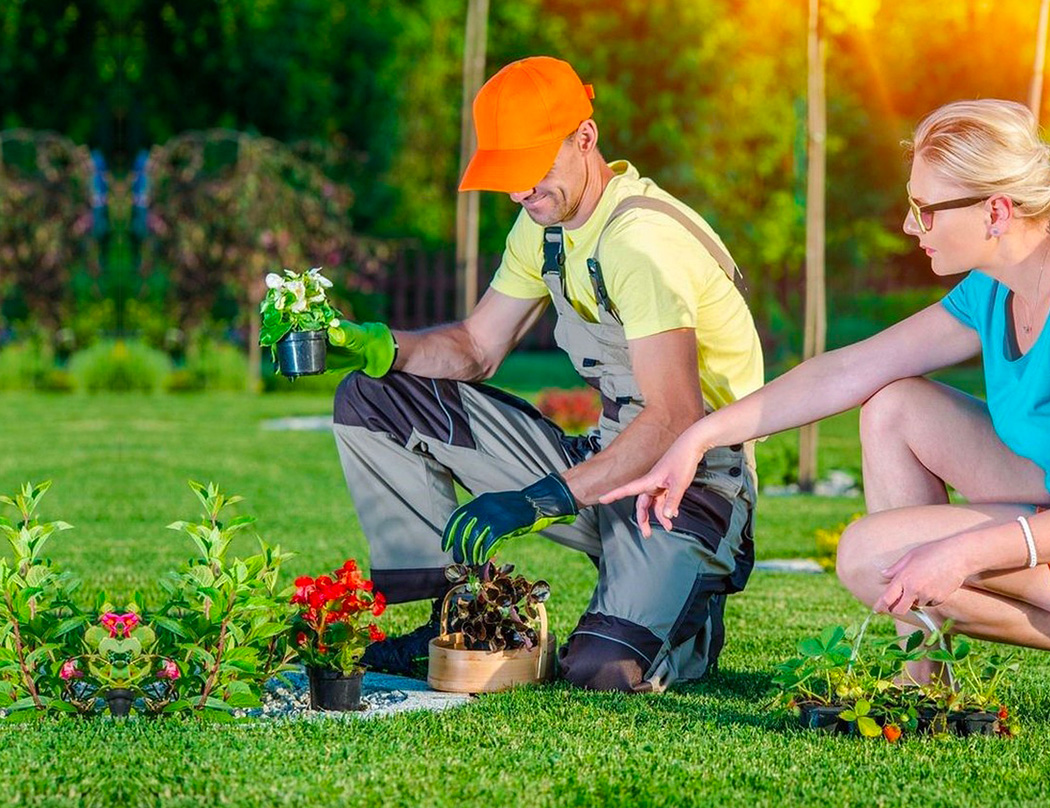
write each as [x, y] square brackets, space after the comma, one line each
[995, 232]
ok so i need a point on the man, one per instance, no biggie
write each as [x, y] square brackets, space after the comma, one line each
[649, 312]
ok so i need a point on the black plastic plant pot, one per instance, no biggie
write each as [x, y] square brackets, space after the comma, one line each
[330, 690]
[119, 701]
[301, 353]
[976, 723]
[822, 718]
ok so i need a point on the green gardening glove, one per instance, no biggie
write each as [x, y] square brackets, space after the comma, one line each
[361, 346]
[476, 530]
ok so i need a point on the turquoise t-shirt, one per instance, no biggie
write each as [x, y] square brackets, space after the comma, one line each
[1018, 387]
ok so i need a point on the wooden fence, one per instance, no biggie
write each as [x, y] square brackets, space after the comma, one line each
[419, 290]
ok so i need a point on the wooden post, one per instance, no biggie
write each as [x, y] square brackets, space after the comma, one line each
[1035, 91]
[467, 210]
[816, 307]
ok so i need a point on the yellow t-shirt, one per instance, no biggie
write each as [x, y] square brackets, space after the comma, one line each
[659, 278]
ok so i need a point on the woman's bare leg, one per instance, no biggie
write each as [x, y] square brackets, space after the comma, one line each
[916, 436]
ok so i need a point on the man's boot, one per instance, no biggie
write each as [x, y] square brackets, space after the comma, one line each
[407, 654]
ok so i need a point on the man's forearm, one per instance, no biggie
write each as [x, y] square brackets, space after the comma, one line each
[629, 456]
[442, 352]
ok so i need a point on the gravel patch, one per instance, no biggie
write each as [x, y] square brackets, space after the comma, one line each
[288, 698]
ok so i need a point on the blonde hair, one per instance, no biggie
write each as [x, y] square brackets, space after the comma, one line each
[989, 147]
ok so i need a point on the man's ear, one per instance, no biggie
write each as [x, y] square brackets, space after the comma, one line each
[587, 136]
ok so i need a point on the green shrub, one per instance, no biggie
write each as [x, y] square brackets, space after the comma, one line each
[777, 460]
[211, 365]
[864, 315]
[22, 364]
[119, 365]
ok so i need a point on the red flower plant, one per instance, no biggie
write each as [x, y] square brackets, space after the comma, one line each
[572, 410]
[332, 629]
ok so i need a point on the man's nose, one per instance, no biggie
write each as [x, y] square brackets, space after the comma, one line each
[520, 196]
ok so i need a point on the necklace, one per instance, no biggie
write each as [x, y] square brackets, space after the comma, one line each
[1029, 313]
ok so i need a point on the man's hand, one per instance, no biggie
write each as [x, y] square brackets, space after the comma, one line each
[361, 346]
[477, 529]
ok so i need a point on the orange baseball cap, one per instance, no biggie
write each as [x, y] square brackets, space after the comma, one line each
[521, 116]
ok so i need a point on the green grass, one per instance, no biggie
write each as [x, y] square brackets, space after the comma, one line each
[120, 465]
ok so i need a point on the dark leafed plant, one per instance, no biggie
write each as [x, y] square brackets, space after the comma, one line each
[494, 609]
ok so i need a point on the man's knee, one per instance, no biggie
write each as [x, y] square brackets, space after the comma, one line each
[606, 653]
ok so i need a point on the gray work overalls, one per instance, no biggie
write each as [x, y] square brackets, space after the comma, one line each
[655, 616]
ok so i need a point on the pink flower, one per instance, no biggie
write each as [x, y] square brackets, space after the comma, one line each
[169, 670]
[70, 670]
[119, 625]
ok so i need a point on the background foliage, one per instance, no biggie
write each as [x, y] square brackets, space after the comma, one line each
[706, 97]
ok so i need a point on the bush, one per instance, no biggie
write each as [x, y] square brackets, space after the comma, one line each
[23, 365]
[119, 365]
[211, 365]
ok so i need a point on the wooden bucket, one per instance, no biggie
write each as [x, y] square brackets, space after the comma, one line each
[454, 668]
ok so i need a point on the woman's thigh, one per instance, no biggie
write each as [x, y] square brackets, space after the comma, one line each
[951, 434]
[875, 542]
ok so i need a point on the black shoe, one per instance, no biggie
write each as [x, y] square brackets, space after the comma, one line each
[406, 655]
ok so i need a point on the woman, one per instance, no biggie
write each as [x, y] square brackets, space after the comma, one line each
[979, 201]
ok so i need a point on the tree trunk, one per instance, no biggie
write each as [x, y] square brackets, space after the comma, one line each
[467, 209]
[1035, 91]
[816, 307]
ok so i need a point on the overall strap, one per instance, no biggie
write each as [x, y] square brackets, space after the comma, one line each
[554, 254]
[725, 261]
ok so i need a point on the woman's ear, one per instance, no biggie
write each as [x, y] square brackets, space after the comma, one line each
[1000, 215]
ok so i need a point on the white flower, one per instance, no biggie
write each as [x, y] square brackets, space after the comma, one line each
[298, 288]
[315, 273]
[334, 323]
[274, 281]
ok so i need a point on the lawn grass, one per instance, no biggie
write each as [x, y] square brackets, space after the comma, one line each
[120, 465]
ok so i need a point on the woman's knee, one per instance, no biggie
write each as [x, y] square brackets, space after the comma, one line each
[885, 414]
[856, 562]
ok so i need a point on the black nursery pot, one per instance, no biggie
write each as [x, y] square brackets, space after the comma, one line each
[822, 718]
[301, 353]
[119, 701]
[330, 690]
[976, 723]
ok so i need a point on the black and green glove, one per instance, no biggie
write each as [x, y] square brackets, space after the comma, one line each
[477, 529]
[361, 346]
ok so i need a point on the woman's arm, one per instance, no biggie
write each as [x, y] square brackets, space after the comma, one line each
[824, 385]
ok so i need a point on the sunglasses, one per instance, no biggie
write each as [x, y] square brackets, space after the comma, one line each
[923, 214]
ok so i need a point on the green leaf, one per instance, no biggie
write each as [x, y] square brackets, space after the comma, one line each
[810, 647]
[831, 636]
[70, 623]
[868, 728]
[169, 624]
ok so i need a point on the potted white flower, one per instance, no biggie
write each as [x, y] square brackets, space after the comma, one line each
[295, 318]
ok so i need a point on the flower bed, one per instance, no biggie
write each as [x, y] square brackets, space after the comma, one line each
[221, 633]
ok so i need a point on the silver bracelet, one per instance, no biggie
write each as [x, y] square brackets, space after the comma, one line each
[1029, 541]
